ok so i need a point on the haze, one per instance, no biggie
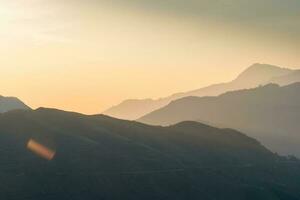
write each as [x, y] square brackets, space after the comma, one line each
[88, 55]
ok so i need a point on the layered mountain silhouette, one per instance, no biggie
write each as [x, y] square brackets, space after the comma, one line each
[287, 79]
[98, 157]
[11, 103]
[270, 114]
[255, 75]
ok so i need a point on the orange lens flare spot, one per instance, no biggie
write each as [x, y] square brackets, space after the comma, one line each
[40, 150]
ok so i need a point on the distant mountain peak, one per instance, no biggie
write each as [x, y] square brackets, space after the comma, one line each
[269, 113]
[263, 66]
[259, 73]
[254, 76]
[192, 124]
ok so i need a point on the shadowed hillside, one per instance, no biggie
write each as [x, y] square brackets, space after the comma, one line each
[255, 75]
[11, 103]
[270, 114]
[98, 157]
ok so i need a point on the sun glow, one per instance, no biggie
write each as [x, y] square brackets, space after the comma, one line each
[6, 13]
[88, 55]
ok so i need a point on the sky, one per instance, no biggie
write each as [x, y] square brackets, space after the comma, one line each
[87, 55]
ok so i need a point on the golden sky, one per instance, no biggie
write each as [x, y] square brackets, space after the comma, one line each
[86, 55]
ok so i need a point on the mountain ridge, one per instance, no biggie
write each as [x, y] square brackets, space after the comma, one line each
[268, 113]
[99, 157]
[253, 76]
[11, 103]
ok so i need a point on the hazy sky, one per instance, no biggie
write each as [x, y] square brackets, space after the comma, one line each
[85, 55]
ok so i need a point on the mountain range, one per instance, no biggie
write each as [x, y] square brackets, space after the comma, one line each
[11, 103]
[99, 157]
[268, 113]
[253, 76]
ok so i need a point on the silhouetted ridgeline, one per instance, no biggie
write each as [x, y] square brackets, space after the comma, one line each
[98, 157]
[270, 114]
[253, 76]
[11, 103]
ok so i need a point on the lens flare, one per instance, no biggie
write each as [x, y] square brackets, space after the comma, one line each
[40, 150]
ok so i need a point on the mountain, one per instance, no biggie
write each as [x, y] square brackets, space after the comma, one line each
[255, 75]
[260, 74]
[134, 108]
[51, 154]
[11, 103]
[287, 79]
[270, 114]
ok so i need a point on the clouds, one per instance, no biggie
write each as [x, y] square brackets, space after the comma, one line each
[278, 18]
[285, 15]
[44, 18]
[30, 22]
[234, 9]
[265, 19]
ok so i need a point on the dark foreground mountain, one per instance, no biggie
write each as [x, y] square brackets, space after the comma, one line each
[253, 76]
[11, 103]
[98, 157]
[270, 114]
